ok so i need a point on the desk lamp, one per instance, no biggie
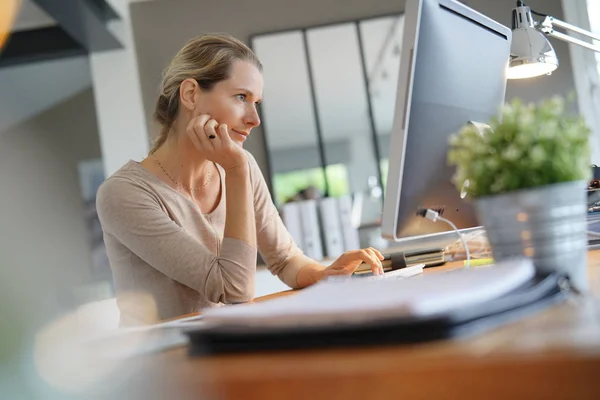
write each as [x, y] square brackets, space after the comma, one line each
[531, 52]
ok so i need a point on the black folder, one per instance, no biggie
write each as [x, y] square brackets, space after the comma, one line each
[536, 294]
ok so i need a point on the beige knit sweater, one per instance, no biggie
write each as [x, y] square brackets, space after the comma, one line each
[169, 259]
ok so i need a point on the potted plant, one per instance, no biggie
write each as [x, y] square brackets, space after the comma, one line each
[527, 173]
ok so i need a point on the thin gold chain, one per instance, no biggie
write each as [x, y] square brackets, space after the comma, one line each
[177, 183]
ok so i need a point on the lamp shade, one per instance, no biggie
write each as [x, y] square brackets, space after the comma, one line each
[8, 12]
[531, 52]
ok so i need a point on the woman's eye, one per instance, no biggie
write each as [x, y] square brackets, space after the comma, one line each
[241, 97]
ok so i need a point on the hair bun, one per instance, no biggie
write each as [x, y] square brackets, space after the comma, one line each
[161, 112]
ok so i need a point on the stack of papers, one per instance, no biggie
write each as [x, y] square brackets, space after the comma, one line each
[364, 300]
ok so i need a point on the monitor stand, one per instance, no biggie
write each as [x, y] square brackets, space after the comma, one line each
[434, 240]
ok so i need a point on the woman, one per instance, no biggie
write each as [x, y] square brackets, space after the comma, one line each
[183, 226]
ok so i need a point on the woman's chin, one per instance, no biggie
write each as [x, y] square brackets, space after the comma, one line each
[238, 138]
[238, 141]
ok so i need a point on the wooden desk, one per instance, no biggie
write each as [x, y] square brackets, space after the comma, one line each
[555, 354]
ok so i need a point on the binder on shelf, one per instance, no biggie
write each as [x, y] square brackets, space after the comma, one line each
[349, 231]
[311, 229]
[331, 227]
[292, 221]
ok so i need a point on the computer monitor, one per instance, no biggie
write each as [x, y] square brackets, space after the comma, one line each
[452, 70]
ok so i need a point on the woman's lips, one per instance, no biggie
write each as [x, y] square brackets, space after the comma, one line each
[241, 135]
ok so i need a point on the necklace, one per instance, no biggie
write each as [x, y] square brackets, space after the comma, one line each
[177, 183]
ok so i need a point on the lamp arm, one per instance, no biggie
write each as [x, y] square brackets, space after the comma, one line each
[573, 28]
[567, 38]
[547, 27]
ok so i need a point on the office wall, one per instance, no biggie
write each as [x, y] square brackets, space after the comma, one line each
[44, 252]
[160, 28]
[29, 89]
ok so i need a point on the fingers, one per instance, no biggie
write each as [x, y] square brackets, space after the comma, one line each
[380, 257]
[203, 137]
[348, 262]
[224, 134]
[377, 253]
[369, 257]
[210, 129]
[217, 133]
[213, 140]
[195, 131]
[209, 133]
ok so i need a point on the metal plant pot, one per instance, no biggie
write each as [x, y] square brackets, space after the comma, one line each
[547, 223]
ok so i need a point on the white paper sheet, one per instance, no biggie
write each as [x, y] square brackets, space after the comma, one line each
[366, 299]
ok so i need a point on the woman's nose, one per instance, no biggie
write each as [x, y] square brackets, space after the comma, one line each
[252, 118]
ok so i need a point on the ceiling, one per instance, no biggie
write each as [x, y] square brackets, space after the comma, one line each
[47, 30]
[45, 60]
[31, 16]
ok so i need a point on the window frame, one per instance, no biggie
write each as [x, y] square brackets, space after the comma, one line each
[585, 74]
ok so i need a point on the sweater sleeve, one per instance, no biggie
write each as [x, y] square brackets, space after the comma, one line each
[275, 243]
[132, 214]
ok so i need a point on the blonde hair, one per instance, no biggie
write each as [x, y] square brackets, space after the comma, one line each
[207, 59]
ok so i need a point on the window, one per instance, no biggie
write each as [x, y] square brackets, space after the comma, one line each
[586, 66]
[288, 184]
[593, 7]
[329, 107]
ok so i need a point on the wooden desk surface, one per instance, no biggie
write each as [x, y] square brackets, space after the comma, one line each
[554, 354]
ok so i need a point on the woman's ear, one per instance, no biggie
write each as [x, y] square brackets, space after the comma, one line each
[188, 94]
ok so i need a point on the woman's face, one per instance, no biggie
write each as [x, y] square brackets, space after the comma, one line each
[234, 101]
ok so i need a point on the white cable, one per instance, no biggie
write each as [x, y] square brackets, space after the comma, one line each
[435, 216]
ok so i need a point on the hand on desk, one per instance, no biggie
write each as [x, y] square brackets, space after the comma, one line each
[347, 263]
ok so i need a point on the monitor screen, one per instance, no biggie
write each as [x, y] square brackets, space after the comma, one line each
[452, 71]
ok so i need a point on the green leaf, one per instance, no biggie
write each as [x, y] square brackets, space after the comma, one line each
[531, 145]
